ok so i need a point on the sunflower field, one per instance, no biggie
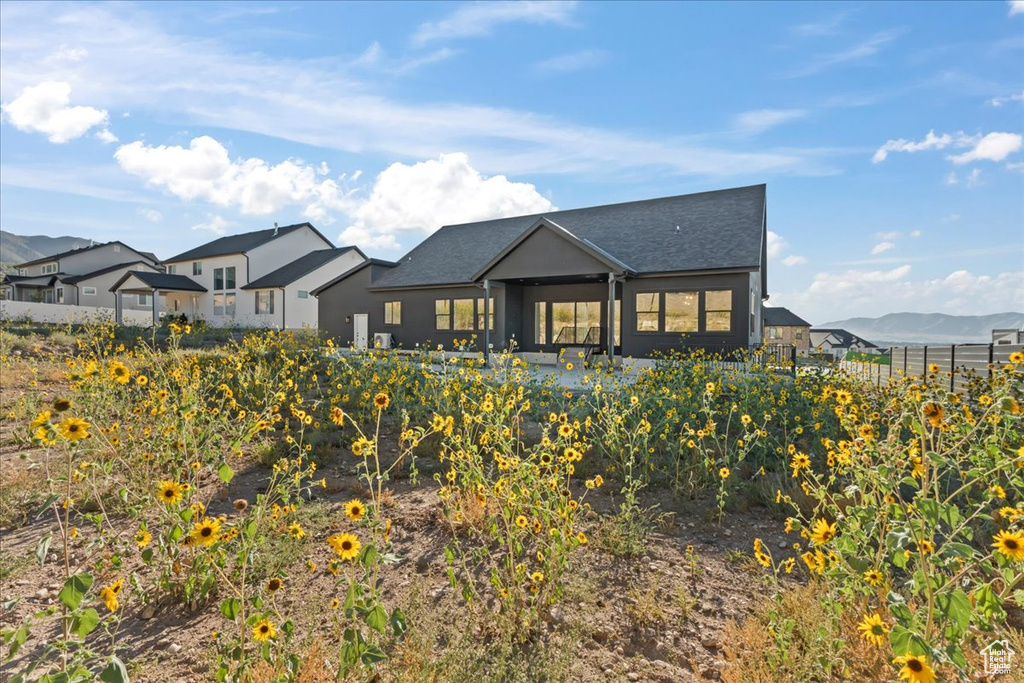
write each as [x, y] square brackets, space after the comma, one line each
[279, 506]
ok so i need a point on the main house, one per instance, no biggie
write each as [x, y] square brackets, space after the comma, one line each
[80, 277]
[628, 279]
[255, 279]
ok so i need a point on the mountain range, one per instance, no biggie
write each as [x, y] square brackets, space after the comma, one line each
[928, 328]
[19, 249]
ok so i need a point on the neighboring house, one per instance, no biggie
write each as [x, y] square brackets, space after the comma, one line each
[838, 342]
[782, 326]
[256, 279]
[627, 279]
[1009, 336]
[79, 277]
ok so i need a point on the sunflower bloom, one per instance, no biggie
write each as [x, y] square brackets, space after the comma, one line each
[170, 492]
[263, 630]
[74, 429]
[1010, 544]
[354, 510]
[874, 577]
[206, 532]
[110, 593]
[346, 545]
[822, 532]
[873, 629]
[915, 669]
[381, 401]
[143, 538]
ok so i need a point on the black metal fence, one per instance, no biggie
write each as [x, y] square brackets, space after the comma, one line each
[960, 361]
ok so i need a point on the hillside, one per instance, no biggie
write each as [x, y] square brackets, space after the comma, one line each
[932, 328]
[18, 248]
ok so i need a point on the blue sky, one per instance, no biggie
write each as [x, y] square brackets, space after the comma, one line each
[889, 135]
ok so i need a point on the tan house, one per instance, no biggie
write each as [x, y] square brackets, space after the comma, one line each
[782, 326]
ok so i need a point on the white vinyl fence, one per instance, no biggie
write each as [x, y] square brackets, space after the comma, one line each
[60, 313]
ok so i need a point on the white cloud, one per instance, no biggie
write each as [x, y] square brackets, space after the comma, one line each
[105, 136]
[952, 217]
[833, 296]
[1015, 166]
[1016, 7]
[882, 247]
[215, 224]
[776, 244]
[573, 61]
[794, 260]
[952, 179]
[151, 215]
[421, 197]
[758, 121]
[826, 27]
[862, 50]
[1000, 101]
[974, 177]
[65, 54]
[992, 147]
[888, 235]
[44, 108]
[931, 141]
[204, 171]
[481, 18]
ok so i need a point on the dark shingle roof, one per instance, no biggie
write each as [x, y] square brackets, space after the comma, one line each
[75, 279]
[783, 317]
[82, 250]
[351, 271]
[304, 265]
[177, 283]
[239, 244]
[845, 337]
[716, 230]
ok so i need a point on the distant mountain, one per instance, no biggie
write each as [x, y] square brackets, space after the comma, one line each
[928, 328]
[16, 249]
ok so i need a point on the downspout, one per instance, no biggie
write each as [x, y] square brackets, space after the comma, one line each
[487, 322]
[284, 316]
[611, 319]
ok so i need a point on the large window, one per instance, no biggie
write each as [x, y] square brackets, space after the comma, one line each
[540, 322]
[197, 267]
[224, 304]
[264, 302]
[49, 268]
[171, 270]
[223, 278]
[647, 306]
[718, 310]
[480, 314]
[463, 314]
[443, 314]
[392, 312]
[773, 333]
[681, 311]
[145, 300]
[576, 322]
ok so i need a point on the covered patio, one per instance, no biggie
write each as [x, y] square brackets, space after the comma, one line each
[156, 285]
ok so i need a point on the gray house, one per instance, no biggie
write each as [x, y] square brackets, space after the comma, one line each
[626, 279]
[80, 277]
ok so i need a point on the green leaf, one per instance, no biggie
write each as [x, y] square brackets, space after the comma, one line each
[16, 638]
[956, 607]
[369, 556]
[74, 590]
[230, 608]
[225, 473]
[82, 623]
[372, 655]
[399, 623]
[42, 548]
[147, 555]
[377, 619]
[115, 672]
[905, 642]
[176, 534]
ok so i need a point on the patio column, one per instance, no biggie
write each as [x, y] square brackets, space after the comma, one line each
[156, 311]
[611, 318]
[118, 303]
[487, 322]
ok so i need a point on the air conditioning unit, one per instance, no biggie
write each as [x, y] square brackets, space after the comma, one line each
[382, 340]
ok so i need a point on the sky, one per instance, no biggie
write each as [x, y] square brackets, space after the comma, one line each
[889, 134]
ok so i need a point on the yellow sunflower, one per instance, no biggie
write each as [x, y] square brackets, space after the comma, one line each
[874, 577]
[263, 630]
[1010, 543]
[915, 669]
[381, 401]
[170, 492]
[119, 372]
[346, 545]
[354, 510]
[74, 429]
[110, 593]
[206, 532]
[822, 532]
[873, 629]
[143, 538]
[274, 584]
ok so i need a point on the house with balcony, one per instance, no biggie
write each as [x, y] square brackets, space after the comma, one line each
[631, 279]
[80, 277]
[255, 279]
